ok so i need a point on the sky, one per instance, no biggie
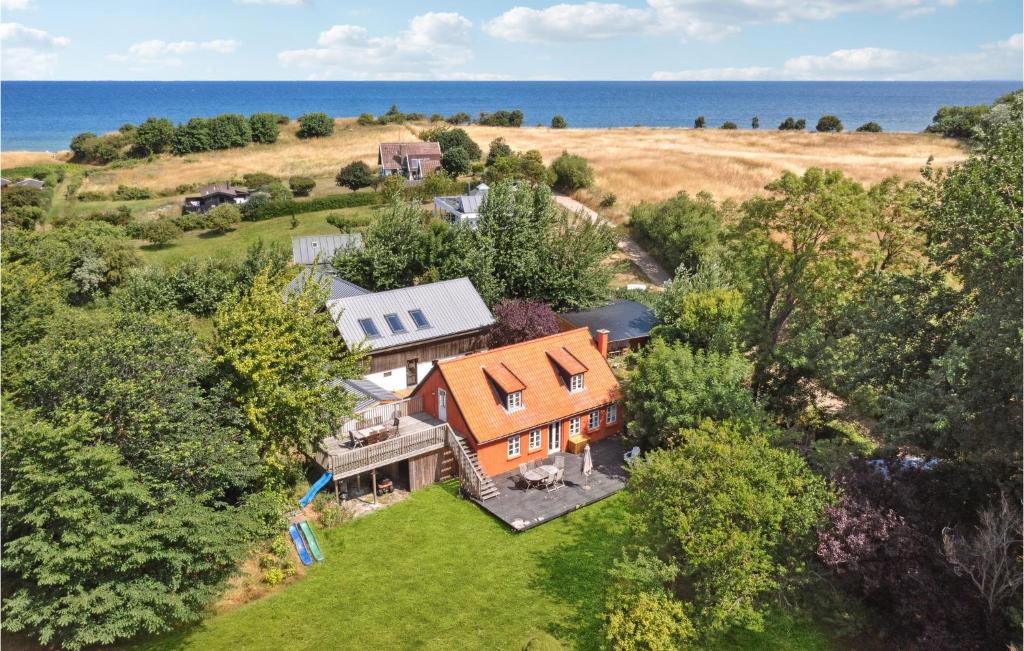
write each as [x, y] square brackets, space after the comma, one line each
[490, 40]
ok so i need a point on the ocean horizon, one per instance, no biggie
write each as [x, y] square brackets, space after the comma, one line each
[45, 115]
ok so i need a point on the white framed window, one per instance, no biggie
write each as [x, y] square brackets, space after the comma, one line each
[534, 440]
[576, 382]
[514, 401]
[574, 426]
[513, 446]
[594, 421]
[554, 437]
[611, 414]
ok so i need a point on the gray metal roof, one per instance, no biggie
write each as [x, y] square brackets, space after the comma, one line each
[367, 394]
[465, 204]
[340, 288]
[450, 307]
[306, 249]
[622, 319]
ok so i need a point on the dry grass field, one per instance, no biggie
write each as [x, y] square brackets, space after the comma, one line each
[637, 164]
[23, 158]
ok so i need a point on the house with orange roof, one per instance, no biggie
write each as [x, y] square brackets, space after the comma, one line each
[413, 160]
[526, 401]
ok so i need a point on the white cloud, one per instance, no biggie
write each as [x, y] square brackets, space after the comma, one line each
[1000, 60]
[700, 19]
[428, 48]
[27, 52]
[283, 3]
[15, 5]
[155, 48]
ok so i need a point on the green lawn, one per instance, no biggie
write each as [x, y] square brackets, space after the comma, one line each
[436, 572]
[207, 244]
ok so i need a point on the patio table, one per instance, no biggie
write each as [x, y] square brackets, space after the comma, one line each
[548, 470]
[533, 477]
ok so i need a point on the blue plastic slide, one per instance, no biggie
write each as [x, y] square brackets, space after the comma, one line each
[300, 546]
[314, 489]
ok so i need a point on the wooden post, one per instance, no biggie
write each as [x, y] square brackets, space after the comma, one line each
[374, 473]
[337, 493]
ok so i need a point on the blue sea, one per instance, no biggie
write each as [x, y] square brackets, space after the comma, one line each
[44, 115]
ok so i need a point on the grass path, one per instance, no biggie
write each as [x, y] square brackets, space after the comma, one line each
[436, 572]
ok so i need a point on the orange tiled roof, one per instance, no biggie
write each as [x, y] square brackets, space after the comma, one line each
[546, 398]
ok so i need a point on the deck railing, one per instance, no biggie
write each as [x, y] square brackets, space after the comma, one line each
[471, 480]
[382, 414]
[355, 461]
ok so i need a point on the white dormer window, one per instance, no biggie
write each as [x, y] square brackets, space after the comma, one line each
[514, 401]
[576, 383]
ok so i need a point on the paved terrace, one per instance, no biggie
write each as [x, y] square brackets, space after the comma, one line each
[522, 508]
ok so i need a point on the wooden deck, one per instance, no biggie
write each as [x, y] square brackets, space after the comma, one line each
[418, 433]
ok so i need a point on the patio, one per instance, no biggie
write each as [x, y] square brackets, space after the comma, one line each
[523, 508]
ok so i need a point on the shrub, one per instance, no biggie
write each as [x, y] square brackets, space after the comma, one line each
[498, 149]
[755, 123]
[228, 131]
[223, 217]
[285, 207]
[517, 320]
[458, 118]
[789, 124]
[678, 231]
[154, 136]
[93, 196]
[89, 148]
[192, 137]
[729, 125]
[301, 186]
[122, 216]
[451, 138]
[699, 122]
[558, 122]
[438, 184]
[455, 161]
[366, 120]
[132, 193]
[264, 127]
[958, 121]
[647, 620]
[571, 173]
[608, 200]
[273, 576]
[161, 232]
[315, 125]
[256, 180]
[502, 118]
[22, 216]
[870, 127]
[828, 124]
[356, 175]
[17, 196]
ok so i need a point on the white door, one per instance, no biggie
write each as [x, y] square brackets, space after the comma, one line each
[442, 405]
[554, 437]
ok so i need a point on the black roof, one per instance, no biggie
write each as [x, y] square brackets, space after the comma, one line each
[622, 319]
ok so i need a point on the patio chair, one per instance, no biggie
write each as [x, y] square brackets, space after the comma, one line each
[559, 480]
[353, 441]
[559, 462]
[632, 455]
[527, 476]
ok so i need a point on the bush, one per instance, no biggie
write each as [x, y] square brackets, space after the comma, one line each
[228, 131]
[366, 120]
[558, 122]
[132, 193]
[191, 137]
[608, 200]
[458, 118]
[355, 176]
[729, 125]
[17, 196]
[154, 136]
[315, 125]
[962, 122]
[22, 216]
[263, 127]
[789, 124]
[223, 217]
[498, 149]
[755, 123]
[256, 180]
[699, 122]
[828, 124]
[502, 118]
[301, 186]
[455, 161]
[161, 232]
[870, 127]
[285, 207]
[517, 320]
[273, 576]
[571, 173]
[678, 231]
[451, 138]
[438, 184]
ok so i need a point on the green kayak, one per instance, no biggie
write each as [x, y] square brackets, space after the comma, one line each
[314, 548]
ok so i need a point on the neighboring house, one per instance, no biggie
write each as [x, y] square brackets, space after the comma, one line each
[321, 248]
[339, 287]
[406, 330]
[464, 209]
[32, 183]
[524, 402]
[628, 323]
[214, 195]
[413, 160]
[4, 182]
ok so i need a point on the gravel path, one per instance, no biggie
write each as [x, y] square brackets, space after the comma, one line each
[636, 253]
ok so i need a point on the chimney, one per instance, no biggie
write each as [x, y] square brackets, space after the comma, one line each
[602, 342]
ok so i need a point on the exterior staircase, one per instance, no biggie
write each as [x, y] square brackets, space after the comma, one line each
[482, 484]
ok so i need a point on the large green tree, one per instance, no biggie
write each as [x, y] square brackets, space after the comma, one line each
[679, 231]
[701, 308]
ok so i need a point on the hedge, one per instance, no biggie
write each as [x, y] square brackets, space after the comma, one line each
[284, 207]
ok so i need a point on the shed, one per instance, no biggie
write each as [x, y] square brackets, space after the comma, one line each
[628, 323]
[322, 248]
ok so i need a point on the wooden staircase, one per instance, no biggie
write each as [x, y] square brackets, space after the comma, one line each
[483, 485]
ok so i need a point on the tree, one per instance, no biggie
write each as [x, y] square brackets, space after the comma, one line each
[515, 221]
[896, 221]
[573, 273]
[701, 309]
[828, 124]
[755, 123]
[223, 217]
[455, 161]
[571, 173]
[458, 118]
[674, 387]
[518, 166]
[699, 122]
[301, 186]
[517, 320]
[356, 175]
[680, 231]
[392, 251]
[29, 297]
[79, 145]
[870, 127]
[191, 137]
[229, 130]
[315, 125]
[558, 122]
[962, 122]
[498, 149]
[789, 124]
[154, 136]
[264, 127]
[161, 232]
[734, 514]
[793, 256]
[729, 125]
[450, 138]
[285, 362]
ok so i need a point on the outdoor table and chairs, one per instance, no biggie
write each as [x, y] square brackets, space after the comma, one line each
[546, 475]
